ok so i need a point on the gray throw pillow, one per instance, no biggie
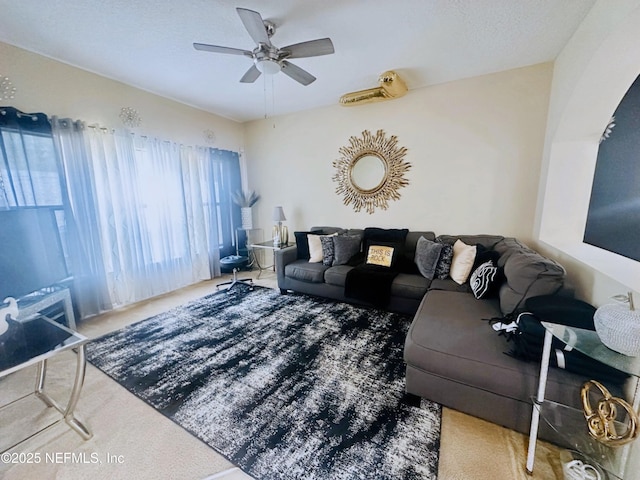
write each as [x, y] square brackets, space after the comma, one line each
[426, 257]
[345, 247]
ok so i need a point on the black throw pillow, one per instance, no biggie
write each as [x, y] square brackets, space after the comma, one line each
[389, 236]
[302, 243]
[485, 281]
[483, 255]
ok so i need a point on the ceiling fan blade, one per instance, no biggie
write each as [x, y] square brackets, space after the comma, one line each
[217, 49]
[312, 48]
[255, 25]
[251, 75]
[297, 73]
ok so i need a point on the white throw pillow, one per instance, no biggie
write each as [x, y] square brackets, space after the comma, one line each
[463, 257]
[315, 247]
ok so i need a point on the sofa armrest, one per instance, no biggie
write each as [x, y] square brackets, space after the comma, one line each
[283, 257]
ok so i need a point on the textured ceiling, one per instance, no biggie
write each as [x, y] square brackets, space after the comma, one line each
[148, 44]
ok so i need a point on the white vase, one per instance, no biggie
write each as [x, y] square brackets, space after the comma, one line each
[247, 220]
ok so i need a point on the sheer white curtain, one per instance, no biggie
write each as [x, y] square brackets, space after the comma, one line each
[149, 210]
[83, 235]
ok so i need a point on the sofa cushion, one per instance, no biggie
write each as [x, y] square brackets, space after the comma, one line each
[337, 275]
[403, 285]
[448, 338]
[409, 286]
[328, 230]
[306, 272]
[507, 247]
[449, 285]
[487, 241]
[528, 274]
[354, 232]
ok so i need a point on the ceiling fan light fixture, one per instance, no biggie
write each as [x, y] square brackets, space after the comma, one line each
[268, 66]
[267, 58]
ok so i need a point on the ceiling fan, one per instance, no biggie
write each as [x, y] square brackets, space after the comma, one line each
[267, 58]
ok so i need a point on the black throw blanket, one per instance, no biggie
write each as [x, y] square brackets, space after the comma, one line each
[370, 283]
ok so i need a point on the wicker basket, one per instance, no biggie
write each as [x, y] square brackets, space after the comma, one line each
[619, 328]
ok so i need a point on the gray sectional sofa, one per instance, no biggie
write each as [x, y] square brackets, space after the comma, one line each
[452, 354]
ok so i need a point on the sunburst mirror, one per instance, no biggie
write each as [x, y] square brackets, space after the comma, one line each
[370, 171]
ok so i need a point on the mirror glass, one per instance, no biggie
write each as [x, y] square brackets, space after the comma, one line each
[367, 172]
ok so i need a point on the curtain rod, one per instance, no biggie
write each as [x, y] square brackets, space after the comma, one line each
[33, 116]
[133, 134]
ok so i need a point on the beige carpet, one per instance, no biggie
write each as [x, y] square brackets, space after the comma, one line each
[132, 440]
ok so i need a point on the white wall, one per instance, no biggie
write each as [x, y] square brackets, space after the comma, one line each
[475, 147]
[591, 76]
[45, 85]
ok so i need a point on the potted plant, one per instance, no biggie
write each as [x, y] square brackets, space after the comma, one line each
[245, 200]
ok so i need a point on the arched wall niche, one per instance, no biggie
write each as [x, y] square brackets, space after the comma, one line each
[572, 142]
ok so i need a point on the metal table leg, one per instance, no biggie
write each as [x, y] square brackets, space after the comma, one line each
[78, 382]
[535, 415]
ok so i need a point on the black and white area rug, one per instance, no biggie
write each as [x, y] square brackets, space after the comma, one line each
[284, 386]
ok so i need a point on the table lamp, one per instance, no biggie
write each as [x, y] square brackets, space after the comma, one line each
[280, 233]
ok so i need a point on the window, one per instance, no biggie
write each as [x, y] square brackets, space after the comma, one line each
[29, 172]
[34, 252]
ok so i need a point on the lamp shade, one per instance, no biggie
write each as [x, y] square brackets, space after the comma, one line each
[278, 215]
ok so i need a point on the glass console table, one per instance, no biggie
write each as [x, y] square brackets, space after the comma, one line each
[33, 341]
[269, 245]
[569, 422]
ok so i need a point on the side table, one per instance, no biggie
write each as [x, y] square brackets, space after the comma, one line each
[569, 422]
[269, 245]
[33, 341]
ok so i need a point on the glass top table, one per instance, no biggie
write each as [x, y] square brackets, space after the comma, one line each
[569, 423]
[269, 245]
[33, 341]
[589, 343]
